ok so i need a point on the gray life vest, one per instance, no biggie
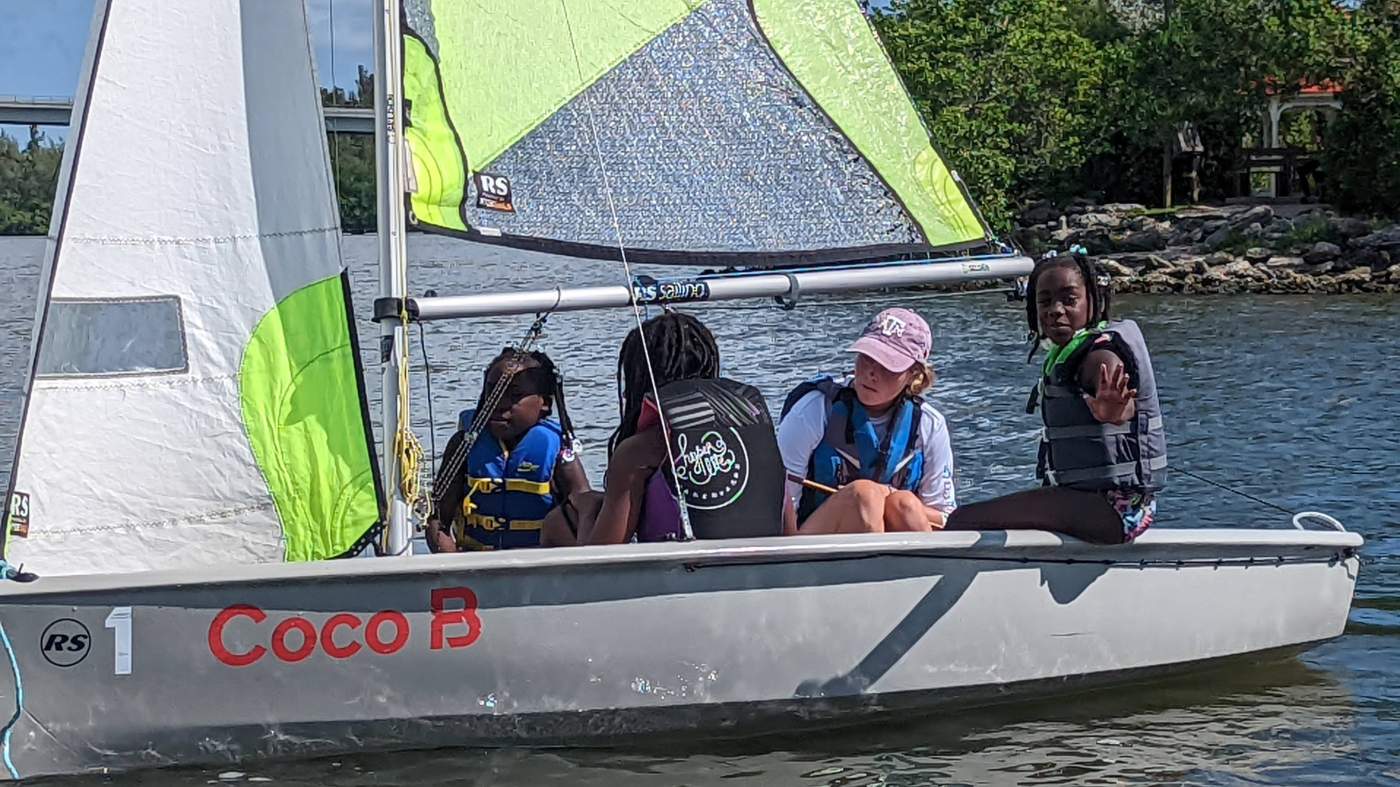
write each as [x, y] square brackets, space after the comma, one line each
[1080, 452]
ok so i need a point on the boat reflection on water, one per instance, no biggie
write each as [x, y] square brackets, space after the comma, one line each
[1247, 719]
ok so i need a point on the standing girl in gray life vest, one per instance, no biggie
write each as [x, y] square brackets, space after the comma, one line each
[867, 453]
[1103, 456]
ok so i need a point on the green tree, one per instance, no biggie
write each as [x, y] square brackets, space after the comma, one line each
[1011, 89]
[28, 176]
[1362, 158]
[352, 159]
[1214, 63]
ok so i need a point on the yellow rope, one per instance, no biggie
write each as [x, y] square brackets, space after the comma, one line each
[408, 450]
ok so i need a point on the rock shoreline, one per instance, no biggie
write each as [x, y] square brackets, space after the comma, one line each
[1229, 249]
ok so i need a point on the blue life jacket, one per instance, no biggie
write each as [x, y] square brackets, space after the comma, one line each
[850, 450]
[507, 496]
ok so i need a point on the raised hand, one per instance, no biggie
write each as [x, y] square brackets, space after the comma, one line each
[1113, 401]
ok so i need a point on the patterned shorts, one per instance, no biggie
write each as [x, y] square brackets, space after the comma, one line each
[1136, 509]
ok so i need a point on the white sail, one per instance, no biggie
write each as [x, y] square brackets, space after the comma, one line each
[194, 397]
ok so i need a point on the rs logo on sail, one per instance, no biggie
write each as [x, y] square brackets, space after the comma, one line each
[237, 633]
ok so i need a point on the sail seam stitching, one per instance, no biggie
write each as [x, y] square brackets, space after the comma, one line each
[101, 241]
[161, 383]
[196, 520]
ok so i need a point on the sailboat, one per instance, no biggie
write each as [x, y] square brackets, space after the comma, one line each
[196, 447]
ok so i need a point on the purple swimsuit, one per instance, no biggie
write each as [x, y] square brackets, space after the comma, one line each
[661, 514]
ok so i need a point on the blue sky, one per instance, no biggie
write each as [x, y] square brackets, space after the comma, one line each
[42, 44]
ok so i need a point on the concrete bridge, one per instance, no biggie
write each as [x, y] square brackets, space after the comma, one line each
[56, 111]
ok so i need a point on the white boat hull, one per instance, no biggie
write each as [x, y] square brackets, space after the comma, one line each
[597, 645]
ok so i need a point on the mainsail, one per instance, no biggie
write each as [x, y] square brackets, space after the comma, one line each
[195, 395]
[747, 132]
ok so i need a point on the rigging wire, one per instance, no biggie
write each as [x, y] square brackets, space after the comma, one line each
[1261, 501]
[627, 272]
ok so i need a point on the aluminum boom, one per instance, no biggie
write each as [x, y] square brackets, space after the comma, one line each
[721, 287]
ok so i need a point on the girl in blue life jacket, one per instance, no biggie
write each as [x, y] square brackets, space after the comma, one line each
[871, 437]
[1103, 455]
[522, 465]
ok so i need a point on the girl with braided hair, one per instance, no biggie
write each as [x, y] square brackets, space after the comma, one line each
[669, 348]
[1103, 454]
[523, 463]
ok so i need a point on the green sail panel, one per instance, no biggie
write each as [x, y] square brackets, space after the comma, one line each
[298, 384]
[683, 135]
[830, 48]
[439, 168]
[496, 47]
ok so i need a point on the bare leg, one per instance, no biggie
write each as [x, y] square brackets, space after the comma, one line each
[857, 507]
[905, 513]
[1084, 515]
[583, 507]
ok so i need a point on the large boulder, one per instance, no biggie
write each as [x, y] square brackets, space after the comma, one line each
[1040, 213]
[1185, 237]
[1354, 279]
[1289, 263]
[1123, 207]
[1096, 241]
[1387, 239]
[1348, 227]
[1257, 254]
[1151, 239]
[1322, 251]
[1114, 268]
[1259, 214]
[1095, 220]
[1215, 240]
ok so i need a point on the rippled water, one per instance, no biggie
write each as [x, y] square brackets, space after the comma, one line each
[1293, 400]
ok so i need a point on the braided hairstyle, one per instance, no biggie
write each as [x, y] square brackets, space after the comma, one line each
[681, 348]
[554, 393]
[1096, 287]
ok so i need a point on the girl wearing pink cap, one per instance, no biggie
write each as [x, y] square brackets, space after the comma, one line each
[866, 453]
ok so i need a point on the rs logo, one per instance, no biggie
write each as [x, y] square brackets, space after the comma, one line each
[497, 185]
[65, 642]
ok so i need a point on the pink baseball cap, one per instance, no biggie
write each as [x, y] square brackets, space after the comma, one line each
[896, 339]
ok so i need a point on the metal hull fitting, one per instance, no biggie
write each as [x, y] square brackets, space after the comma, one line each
[593, 645]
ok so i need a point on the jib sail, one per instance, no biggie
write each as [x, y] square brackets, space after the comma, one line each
[194, 395]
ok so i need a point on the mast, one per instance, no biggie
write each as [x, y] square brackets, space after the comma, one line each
[393, 347]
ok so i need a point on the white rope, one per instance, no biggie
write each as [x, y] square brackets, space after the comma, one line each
[627, 272]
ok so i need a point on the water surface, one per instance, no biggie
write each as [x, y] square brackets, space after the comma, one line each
[1294, 400]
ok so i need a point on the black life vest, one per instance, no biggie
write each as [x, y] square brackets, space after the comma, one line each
[1079, 451]
[727, 462]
